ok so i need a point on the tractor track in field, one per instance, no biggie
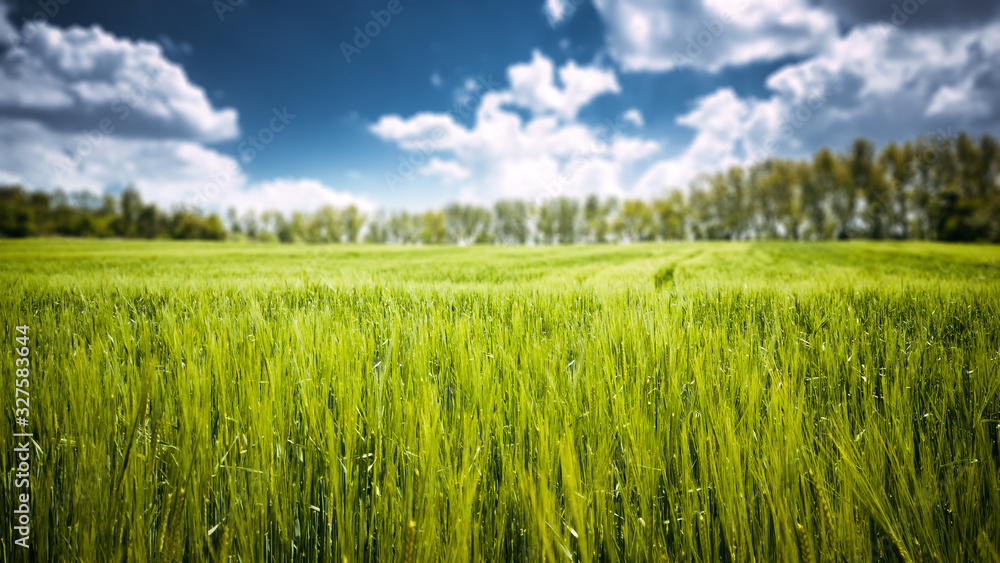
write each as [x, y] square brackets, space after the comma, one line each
[667, 274]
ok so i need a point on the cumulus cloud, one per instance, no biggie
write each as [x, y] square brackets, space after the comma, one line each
[660, 35]
[548, 154]
[439, 130]
[72, 79]
[914, 13]
[555, 10]
[166, 170]
[717, 119]
[884, 82]
[634, 116]
[878, 82]
[81, 109]
[558, 11]
[292, 195]
[959, 99]
[533, 86]
[448, 171]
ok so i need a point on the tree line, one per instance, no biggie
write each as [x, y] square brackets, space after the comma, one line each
[83, 214]
[931, 188]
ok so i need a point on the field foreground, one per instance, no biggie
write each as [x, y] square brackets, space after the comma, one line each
[663, 402]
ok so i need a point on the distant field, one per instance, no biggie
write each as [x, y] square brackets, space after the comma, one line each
[650, 402]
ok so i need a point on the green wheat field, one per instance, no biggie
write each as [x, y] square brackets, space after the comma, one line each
[646, 402]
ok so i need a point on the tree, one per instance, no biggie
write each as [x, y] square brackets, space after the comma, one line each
[989, 168]
[703, 219]
[150, 224]
[328, 225]
[272, 225]
[467, 224]
[251, 225]
[943, 187]
[378, 228]
[213, 228]
[511, 221]
[813, 202]
[567, 220]
[354, 220]
[432, 228]
[897, 162]
[233, 220]
[832, 180]
[925, 185]
[869, 181]
[404, 228]
[785, 192]
[130, 204]
[987, 216]
[735, 218]
[547, 223]
[300, 227]
[669, 215]
[597, 218]
[635, 222]
[17, 218]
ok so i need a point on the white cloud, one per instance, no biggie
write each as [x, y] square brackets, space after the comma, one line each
[548, 154]
[436, 80]
[634, 116]
[959, 99]
[166, 171]
[79, 111]
[448, 171]
[659, 35]
[288, 195]
[914, 13]
[421, 130]
[532, 85]
[72, 79]
[175, 48]
[885, 82]
[875, 82]
[556, 10]
[717, 118]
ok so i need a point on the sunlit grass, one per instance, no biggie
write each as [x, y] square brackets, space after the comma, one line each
[694, 402]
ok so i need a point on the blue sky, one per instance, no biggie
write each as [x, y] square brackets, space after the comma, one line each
[255, 105]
